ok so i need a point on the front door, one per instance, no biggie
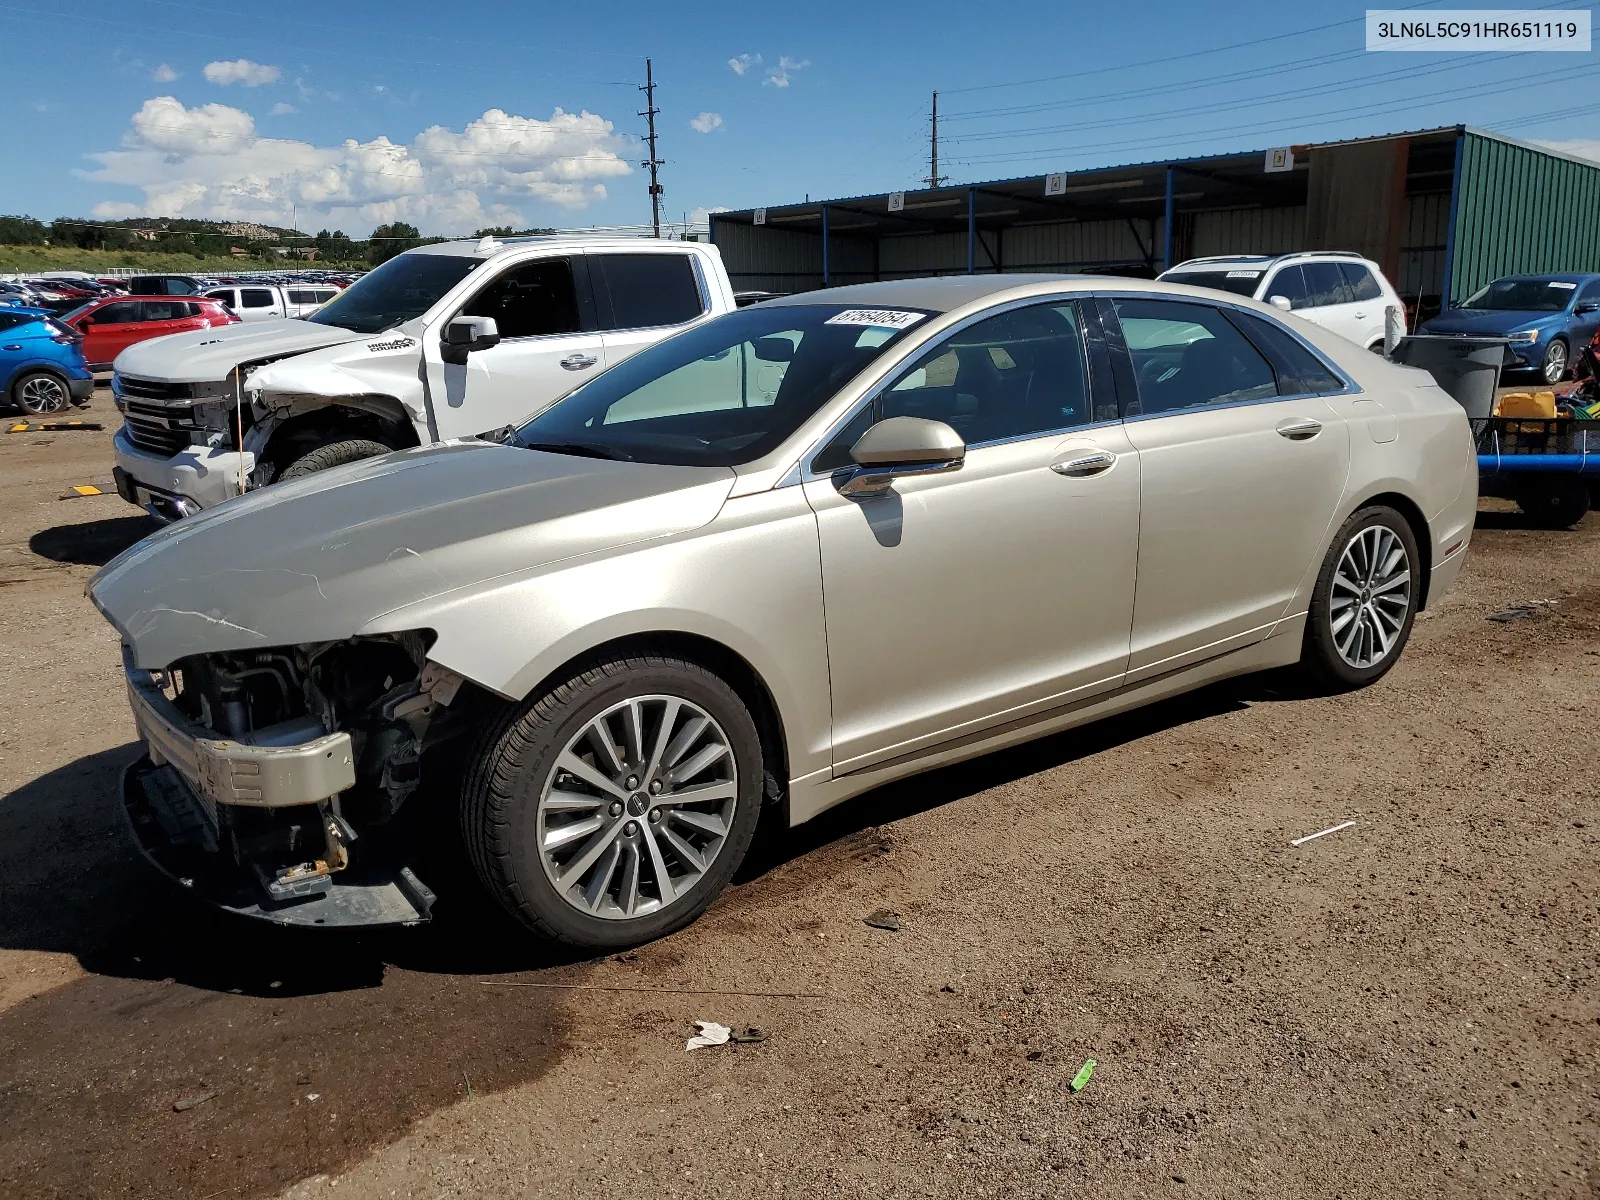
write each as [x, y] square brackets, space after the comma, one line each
[959, 601]
[1240, 478]
[116, 327]
[549, 344]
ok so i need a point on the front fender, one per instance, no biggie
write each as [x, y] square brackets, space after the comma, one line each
[751, 581]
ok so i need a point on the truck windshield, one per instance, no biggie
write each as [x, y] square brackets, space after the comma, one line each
[1241, 282]
[723, 393]
[406, 286]
[1523, 295]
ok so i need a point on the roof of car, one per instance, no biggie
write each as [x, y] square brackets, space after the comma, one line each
[1560, 276]
[1222, 260]
[470, 247]
[948, 292]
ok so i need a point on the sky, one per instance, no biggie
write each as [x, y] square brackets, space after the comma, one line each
[347, 116]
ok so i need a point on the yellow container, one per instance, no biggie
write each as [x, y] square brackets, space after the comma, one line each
[1535, 405]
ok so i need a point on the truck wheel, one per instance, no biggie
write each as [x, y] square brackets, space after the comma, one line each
[613, 807]
[40, 393]
[1555, 501]
[333, 454]
[1365, 600]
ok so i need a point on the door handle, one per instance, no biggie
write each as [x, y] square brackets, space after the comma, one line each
[1299, 429]
[1084, 464]
[1361, 316]
[11, 349]
[579, 362]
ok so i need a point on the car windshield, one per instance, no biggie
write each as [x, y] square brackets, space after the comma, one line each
[1241, 281]
[723, 393]
[1523, 295]
[79, 311]
[406, 286]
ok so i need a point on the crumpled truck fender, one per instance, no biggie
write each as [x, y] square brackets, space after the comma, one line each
[358, 374]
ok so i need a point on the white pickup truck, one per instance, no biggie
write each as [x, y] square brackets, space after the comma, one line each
[441, 342]
[271, 301]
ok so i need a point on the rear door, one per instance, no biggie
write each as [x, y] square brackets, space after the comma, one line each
[1367, 311]
[643, 298]
[1241, 473]
[161, 317]
[549, 344]
[1331, 302]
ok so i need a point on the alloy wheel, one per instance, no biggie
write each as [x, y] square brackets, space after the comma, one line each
[43, 394]
[637, 807]
[1371, 596]
[1555, 362]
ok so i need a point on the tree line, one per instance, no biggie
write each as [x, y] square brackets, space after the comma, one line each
[205, 239]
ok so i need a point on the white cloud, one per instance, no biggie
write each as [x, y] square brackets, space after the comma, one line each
[778, 76]
[1578, 147]
[743, 62]
[282, 109]
[163, 74]
[210, 161]
[241, 70]
[706, 122]
[700, 215]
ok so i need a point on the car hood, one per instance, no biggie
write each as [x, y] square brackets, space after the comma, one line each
[1485, 323]
[317, 559]
[206, 355]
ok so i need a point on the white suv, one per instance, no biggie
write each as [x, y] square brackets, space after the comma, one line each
[1340, 291]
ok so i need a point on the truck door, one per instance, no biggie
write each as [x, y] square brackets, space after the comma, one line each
[644, 298]
[549, 344]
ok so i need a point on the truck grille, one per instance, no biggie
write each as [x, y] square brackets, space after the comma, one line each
[150, 389]
[159, 429]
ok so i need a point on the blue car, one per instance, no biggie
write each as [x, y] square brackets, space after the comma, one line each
[1549, 319]
[42, 369]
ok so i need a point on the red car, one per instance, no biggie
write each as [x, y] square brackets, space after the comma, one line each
[113, 323]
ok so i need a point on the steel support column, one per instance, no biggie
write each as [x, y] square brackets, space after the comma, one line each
[824, 245]
[1166, 254]
[972, 231]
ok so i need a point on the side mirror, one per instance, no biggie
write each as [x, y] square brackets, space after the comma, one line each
[1588, 306]
[774, 349]
[83, 321]
[901, 446]
[1281, 302]
[464, 335]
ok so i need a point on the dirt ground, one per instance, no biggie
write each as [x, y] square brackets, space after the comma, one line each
[1408, 1007]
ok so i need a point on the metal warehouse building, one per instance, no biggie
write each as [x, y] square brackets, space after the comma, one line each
[1443, 211]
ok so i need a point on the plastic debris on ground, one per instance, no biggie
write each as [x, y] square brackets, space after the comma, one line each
[189, 1102]
[711, 1034]
[1311, 837]
[1081, 1079]
[884, 918]
[749, 1034]
[1521, 612]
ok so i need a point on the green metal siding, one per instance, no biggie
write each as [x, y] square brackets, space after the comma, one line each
[1519, 211]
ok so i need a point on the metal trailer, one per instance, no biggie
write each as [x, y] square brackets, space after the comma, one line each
[1551, 468]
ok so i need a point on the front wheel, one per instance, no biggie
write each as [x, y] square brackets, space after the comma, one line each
[41, 394]
[1365, 600]
[611, 809]
[333, 454]
[1554, 366]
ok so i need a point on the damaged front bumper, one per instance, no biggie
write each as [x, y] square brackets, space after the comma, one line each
[181, 797]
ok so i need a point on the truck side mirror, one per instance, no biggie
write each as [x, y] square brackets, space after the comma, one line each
[464, 335]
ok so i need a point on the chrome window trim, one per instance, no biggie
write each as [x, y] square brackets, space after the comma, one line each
[802, 472]
[1350, 388]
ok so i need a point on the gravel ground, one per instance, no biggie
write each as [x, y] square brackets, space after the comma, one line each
[1408, 1007]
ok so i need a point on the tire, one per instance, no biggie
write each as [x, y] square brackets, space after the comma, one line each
[1554, 367]
[1335, 654]
[518, 798]
[333, 454]
[1554, 501]
[41, 394]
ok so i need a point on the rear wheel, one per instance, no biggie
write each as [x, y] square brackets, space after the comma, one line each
[40, 394]
[613, 808]
[1555, 501]
[333, 454]
[1365, 600]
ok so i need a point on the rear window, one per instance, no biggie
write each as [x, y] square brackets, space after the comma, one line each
[647, 290]
[1241, 281]
[1362, 285]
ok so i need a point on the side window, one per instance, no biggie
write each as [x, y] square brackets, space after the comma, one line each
[255, 298]
[648, 290]
[1590, 293]
[534, 300]
[1289, 283]
[179, 287]
[223, 294]
[1360, 281]
[302, 296]
[124, 313]
[12, 320]
[162, 310]
[1326, 285]
[1190, 355]
[1299, 371]
[1013, 375]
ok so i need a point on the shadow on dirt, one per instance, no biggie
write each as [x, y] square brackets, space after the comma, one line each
[93, 543]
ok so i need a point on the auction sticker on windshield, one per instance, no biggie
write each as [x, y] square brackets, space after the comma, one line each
[883, 318]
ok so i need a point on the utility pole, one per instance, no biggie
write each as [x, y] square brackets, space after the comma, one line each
[934, 179]
[650, 111]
